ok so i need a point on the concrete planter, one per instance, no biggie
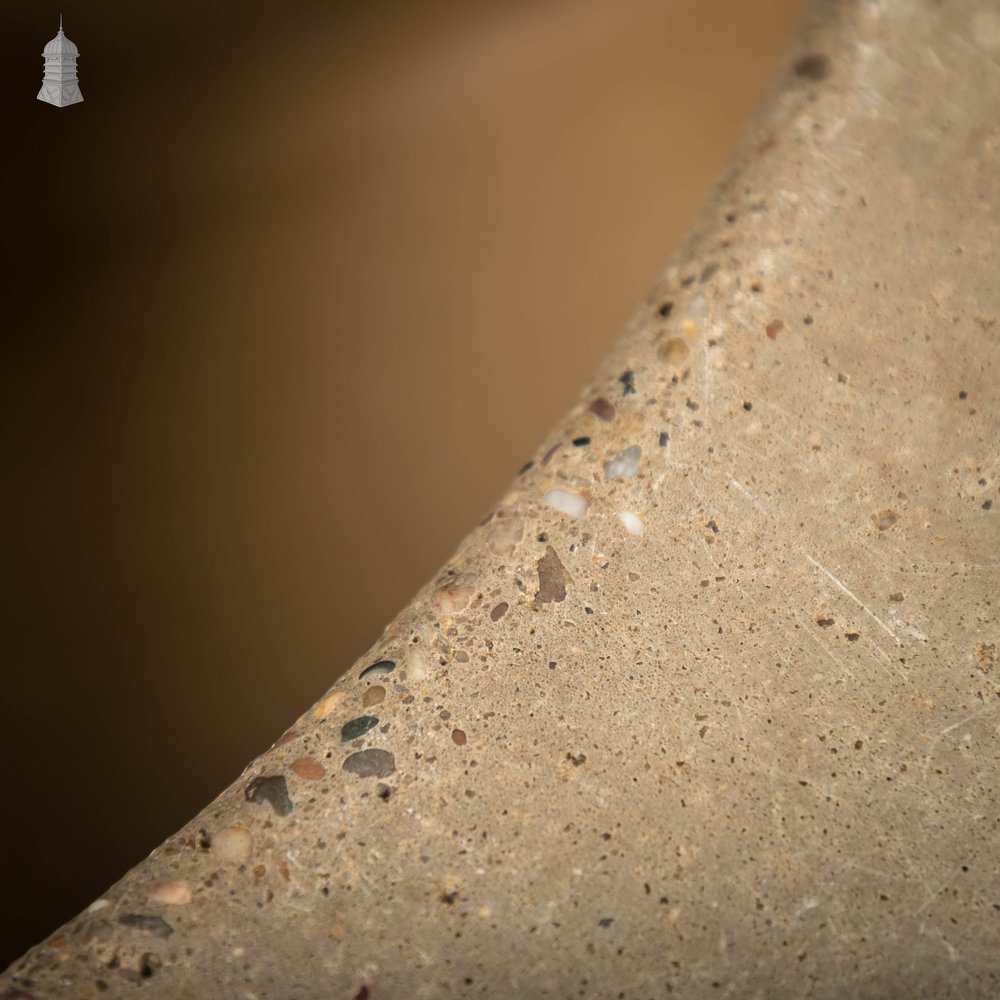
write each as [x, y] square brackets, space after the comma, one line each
[708, 703]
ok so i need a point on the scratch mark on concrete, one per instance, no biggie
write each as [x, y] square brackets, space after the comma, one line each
[868, 611]
[935, 743]
[910, 630]
[969, 718]
[826, 649]
[953, 953]
[749, 496]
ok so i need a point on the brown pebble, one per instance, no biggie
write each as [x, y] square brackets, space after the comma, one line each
[774, 328]
[307, 768]
[373, 696]
[284, 738]
[499, 611]
[601, 408]
[674, 351]
[548, 455]
[371, 763]
[552, 577]
[459, 737]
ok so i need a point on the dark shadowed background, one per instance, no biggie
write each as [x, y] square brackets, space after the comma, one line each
[287, 301]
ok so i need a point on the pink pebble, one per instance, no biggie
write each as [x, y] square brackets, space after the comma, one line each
[176, 892]
[454, 597]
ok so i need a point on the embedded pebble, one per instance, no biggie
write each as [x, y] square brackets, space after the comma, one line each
[416, 665]
[453, 598]
[176, 892]
[156, 926]
[625, 463]
[373, 696]
[307, 768]
[381, 667]
[499, 611]
[886, 520]
[272, 789]
[373, 763]
[357, 727]
[284, 739]
[674, 351]
[814, 66]
[328, 704]
[567, 501]
[458, 737]
[505, 535]
[632, 522]
[234, 843]
[552, 578]
[698, 307]
[603, 409]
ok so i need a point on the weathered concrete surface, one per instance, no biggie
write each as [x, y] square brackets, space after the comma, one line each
[710, 703]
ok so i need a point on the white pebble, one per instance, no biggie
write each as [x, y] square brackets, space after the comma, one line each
[416, 665]
[232, 844]
[698, 307]
[625, 463]
[567, 501]
[505, 535]
[632, 522]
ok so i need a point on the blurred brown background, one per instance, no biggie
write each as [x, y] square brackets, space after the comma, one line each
[287, 301]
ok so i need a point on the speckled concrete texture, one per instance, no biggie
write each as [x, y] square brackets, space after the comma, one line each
[709, 704]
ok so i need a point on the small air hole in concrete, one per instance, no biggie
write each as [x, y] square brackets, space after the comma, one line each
[886, 520]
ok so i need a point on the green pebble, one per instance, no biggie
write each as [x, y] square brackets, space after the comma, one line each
[357, 727]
